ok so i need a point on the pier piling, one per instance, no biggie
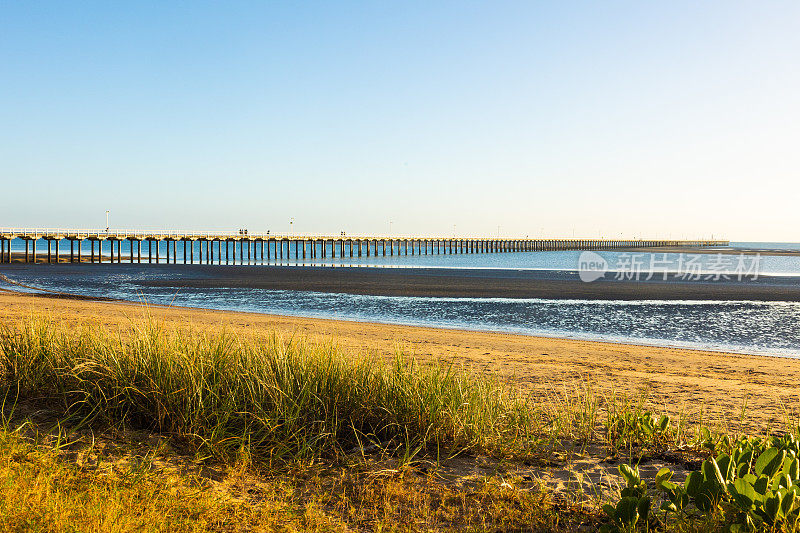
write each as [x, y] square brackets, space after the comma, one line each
[304, 246]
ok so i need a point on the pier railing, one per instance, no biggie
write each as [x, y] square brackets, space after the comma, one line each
[66, 233]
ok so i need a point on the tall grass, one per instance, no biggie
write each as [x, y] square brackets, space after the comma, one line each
[272, 397]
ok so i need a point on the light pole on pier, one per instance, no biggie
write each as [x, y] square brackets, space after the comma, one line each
[291, 221]
[107, 224]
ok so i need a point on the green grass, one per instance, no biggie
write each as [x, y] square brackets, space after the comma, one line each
[269, 398]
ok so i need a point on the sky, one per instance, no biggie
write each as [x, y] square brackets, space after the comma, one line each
[554, 119]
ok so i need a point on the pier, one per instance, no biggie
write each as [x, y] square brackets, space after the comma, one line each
[99, 246]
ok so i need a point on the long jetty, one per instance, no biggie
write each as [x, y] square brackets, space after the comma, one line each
[221, 247]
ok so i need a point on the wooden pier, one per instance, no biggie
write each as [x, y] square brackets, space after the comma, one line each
[248, 248]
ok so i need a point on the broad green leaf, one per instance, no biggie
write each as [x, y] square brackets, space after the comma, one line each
[694, 481]
[712, 474]
[630, 474]
[743, 494]
[668, 506]
[626, 511]
[664, 474]
[761, 485]
[706, 497]
[644, 508]
[788, 502]
[725, 465]
[769, 462]
[781, 481]
[791, 467]
[772, 505]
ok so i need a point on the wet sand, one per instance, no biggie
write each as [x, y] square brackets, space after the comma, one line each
[692, 381]
[476, 283]
[436, 282]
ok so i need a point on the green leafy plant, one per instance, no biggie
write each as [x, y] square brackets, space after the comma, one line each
[634, 505]
[634, 428]
[754, 487]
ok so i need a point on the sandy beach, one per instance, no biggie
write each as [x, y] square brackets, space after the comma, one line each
[718, 384]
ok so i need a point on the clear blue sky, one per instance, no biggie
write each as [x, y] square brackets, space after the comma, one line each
[642, 118]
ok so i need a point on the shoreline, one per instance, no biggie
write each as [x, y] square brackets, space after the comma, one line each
[44, 293]
[440, 282]
[681, 379]
[643, 342]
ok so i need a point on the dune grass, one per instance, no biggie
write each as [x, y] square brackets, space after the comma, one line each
[270, 398]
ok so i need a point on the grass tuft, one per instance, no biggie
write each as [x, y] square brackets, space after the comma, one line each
[272, 398]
